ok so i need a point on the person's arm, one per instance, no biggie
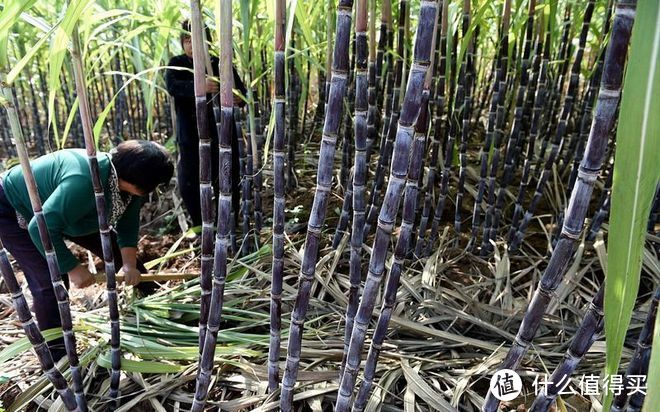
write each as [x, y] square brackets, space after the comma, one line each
[132, 275]
[127, 235]
[71, 199]
[177, 82]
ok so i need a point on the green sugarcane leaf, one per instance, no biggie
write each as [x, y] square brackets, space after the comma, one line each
[170, 255]
[8, 17]
[18, 67]
[293, 6]
[100, 121]
[304, 19]
[23, 344]
[130, 365]
[69, 120]
[636, 174]
[168, 20]
[10, 13]
[42, 384]
[653, 378]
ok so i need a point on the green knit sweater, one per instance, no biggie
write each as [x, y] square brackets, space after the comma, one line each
[67, 195]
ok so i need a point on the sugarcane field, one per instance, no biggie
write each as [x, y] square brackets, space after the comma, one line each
[332, 205]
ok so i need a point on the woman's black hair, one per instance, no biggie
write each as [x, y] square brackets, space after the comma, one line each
[143, 163]
[186, 31]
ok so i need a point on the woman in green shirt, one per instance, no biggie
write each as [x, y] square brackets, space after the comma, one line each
[128, 173]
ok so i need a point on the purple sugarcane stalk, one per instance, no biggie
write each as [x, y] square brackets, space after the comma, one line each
[608, 100]
[537, 112]
[205, 167]
[279, 202]
[388, 212]
[588, 331]
[359, 167]
[321, 196]
[495, 120]
[71, 401]
[438, 133]
[224, 209]
[639, 363]
[467, 68]
[561, 128]
[405, 235]
[388, 132]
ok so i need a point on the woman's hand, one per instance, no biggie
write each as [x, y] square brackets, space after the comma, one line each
[132, 276]
[212, 86]
[80, 277]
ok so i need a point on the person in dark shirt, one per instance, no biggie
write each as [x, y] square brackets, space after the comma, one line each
[180, 85]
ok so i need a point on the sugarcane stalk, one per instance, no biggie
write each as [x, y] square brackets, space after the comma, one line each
[292, 117]
[71, 401]
[105, 230]
[452, 127]
[205, 167]
[250, 151]
[467, 69]
[347, 125]
[525, 179]
[495, 120]
[33, 333]
[279, 202]
[639, 363]
[347, 141]
[388, 132]
[338, 85]
[603, 209]
[587, 112]
[256, 147]
[386, 220]
[359, 166]
[438, 133]
[245, 183]
[381, 67]
[561, 128]
[590, 328]
[304, 94]
[603, 121]
[329, 26]
[224, 208]
[372, 115]
[403, 241]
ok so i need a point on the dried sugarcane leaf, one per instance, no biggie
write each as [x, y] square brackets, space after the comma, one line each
[422, 389]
